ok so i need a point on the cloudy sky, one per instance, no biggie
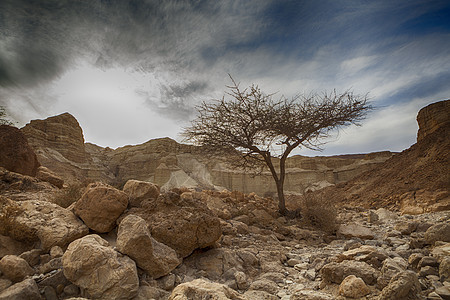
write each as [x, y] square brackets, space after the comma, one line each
[131, 71]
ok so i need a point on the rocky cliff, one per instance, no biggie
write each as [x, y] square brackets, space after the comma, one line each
[414, 181]
[59, 144]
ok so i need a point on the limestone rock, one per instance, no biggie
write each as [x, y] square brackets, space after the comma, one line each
[45, 174]
[15, 153]
[100, 206]
[26, 289]
[355, 230]
[444, 269]
[353, 287]
[404, 285]
[438, 232]
[140, 190]
[336, 272]
[104, 273]
[15, 268]
[134, 240]
[48, 222]
[440, 251]
[203, 289]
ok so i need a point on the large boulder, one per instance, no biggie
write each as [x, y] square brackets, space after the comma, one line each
[100, 206]
[26, 289]
[134, 240]
[353, 287]
[15, 268]
[140, 190]
[104, 273]
[182, 224]
[15, 153]
[40, 220]
[203, 289]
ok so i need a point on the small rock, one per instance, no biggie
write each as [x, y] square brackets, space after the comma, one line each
[353, 287]
[444, 292]
[71, 290]
[444, 269]
[428, 270]
[50, 293]
[56, 251]
[414, 259]
[428, 261]
[32, 257]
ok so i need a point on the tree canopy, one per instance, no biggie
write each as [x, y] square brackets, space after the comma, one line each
[260, 126]
[3, 117]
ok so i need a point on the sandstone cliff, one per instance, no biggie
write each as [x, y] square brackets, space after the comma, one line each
[59, 144]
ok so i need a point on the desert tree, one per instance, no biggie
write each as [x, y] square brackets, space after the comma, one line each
[3, 117]
[264, 129]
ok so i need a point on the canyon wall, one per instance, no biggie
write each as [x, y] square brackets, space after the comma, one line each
[59, 144]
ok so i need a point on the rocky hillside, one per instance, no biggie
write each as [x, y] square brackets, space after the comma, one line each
[59, 144]
[414, 181]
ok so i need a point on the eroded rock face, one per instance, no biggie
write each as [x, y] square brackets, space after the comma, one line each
[100, 206]
[15, 153]
[39, 220]
[91, 264]
[203, 289]
[134, 240]
[432, 117]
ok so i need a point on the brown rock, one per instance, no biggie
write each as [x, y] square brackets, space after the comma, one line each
[353, 287]
[15, 153]
[404, 285]
[391, 267]
[438, 232]
[336, 272]
[134, 240]
[15, 268]
[45, 174]
[355, 230]
[444, 268]
[100, 206]
[138, 191]
[104, 273]
[203, 289]
[26, 289]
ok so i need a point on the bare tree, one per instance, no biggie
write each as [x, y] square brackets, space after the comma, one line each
[261, 128]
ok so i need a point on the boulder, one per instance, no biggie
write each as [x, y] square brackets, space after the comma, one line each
[353, 287]
[336, 272]
[15, 268]
[134, 240]
[104, 273]
[140, 190]
[203, 289]
[45, 174]
[26, 289]
[355, 231]
[444, 269]
[51, 224]
[404, 285]
[370, 254]
[391, 267]
[100, 206]
[438, 232]
[182, 224]
[15, 153]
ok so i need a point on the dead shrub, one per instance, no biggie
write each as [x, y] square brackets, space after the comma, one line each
[68, 195]
[319, 213]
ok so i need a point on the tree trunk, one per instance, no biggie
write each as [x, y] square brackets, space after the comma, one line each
[281, 200]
